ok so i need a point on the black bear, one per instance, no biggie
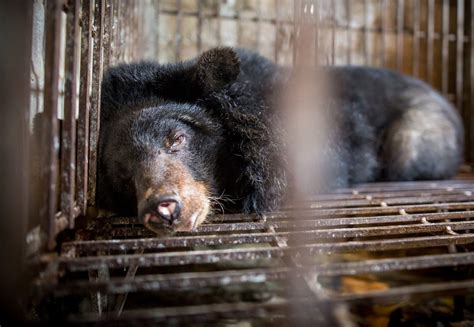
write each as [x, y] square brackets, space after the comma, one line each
[175, 138]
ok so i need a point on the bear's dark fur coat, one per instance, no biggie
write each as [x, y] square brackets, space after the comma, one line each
[183, 134]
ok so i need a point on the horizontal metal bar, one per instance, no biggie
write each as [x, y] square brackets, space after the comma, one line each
[227, 255]
[248, 238]
[188, 281]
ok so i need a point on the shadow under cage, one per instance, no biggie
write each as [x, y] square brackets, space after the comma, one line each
[369, 253]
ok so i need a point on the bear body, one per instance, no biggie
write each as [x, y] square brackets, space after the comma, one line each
[177, 138]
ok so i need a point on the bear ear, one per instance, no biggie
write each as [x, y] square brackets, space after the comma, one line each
[217, 68]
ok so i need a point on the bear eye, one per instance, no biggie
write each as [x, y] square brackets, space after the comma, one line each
[177, 142]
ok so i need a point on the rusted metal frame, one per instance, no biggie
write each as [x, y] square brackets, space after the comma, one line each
[68, 159]
[429, 41]
[400, 32]
[178, 37]
[348, 31]
[94, 116]
[228, 255]
[416, 40]
[308, 235]
[460, 59]
[366, 33]
[199, 26]
[403, 292]
[84, 104]
[51, 94]
[383, 31]
[470, 154]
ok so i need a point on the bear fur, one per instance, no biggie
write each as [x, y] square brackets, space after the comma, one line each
[209, 129]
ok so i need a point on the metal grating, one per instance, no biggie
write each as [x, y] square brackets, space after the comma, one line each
[400, 240]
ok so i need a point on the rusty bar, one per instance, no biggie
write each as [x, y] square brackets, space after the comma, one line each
[333, 32]
[307, 235]
[178, 281]
[284, 220]
[219, 23]
[430, 41]
[383, 31]
[199, 26]
[416, 40]
[98, 64]
[84, 105]
[366, 33]
[16, 26]
[460, 59]
[109, 9]
[445, 48]
[277, 30]
[471, 98]
[348, 31]
[51, 94]
[178, 37]
[157, 9]
[251, 254]
[400, 32]
[258, 18]
[190, 315]
[68, 160]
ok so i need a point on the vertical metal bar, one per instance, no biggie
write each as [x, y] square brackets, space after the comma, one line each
[98, 65]
[51, 94]
[459, 57]
[296, 21]
[277, 31]
[259, 25]
[199, 27]
[179, 16]
[108, 33]
[445, 47]
[333, 32]
[84, 104]
[471, 97]
[383, 34]
[416, 40]
[15, 58]
[349, 32]
[400, 34]
[158, 30]
[68, 160]
[366, 33]
[430, 40]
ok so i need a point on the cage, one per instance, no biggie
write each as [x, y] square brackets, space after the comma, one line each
[375, 254]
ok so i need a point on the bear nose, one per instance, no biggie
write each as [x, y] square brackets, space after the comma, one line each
[168, 208]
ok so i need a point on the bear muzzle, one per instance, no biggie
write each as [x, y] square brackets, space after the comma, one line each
[175, 203]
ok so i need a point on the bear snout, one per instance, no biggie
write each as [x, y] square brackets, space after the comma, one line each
[170, 199]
